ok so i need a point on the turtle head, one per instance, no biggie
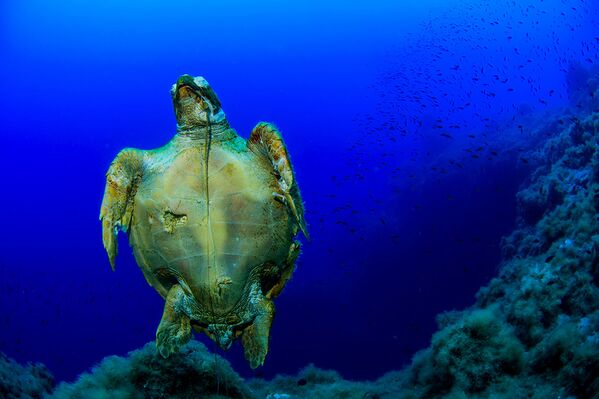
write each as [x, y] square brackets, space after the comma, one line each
[196, 104]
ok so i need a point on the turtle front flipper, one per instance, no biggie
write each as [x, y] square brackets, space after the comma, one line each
[255, 337]
[122, 180]
[174, 330]
[266, 141]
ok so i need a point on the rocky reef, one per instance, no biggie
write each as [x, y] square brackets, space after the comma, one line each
[193, 372]
[534, 330]
[24, 382]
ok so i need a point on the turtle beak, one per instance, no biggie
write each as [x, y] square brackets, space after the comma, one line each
[184, 87]
[187, 83]
[194, 101]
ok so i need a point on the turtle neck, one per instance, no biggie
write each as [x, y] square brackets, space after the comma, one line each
[219, 131]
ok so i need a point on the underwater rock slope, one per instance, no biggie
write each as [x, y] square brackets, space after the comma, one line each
[534, 330]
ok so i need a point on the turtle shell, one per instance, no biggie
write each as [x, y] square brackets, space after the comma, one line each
[207, 219]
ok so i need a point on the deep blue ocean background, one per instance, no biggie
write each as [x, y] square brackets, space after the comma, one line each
[405, 121]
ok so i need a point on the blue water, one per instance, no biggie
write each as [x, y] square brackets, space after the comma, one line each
[405, 122]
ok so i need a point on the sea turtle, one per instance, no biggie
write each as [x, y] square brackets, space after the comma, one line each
[212, 220]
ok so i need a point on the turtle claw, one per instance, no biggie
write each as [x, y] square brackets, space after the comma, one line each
[109, 233]
[300, 220]
[174, 330]
[280, 197]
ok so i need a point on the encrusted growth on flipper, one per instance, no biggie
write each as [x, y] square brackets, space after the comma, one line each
[122, 180]
[266, 141]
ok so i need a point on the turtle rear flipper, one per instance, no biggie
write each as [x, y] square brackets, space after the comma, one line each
[266, 141]
[174, 330]
[255, 337]
[122, 180]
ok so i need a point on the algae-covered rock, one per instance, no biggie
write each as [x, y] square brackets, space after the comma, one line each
[534, 330]
[193, 372]
[315, 383]
[33, 380]
[473, 352]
